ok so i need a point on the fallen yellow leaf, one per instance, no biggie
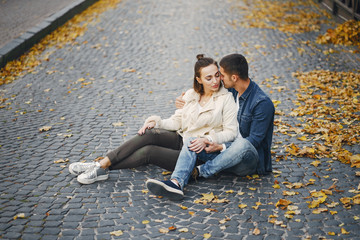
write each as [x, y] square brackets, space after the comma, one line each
[208, 196]
[61, 161]
[118, 124]
[224, 220]
[289, 193]
[319, 210]
[242, 205]
[183, 230]
[315, 163]
[207, 235]
[117, 233]
[19, 215]
[45, 128]
[163, 230]
[283, 202]
[256, 231]
[343, 231]
[183, 207]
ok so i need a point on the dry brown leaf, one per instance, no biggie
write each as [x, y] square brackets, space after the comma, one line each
[172, 228]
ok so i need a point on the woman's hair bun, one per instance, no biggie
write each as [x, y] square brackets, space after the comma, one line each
[199, 56]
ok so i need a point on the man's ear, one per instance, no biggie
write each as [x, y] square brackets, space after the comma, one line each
[234, 78]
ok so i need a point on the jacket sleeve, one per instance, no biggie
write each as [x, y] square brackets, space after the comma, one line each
[172, 124]
[229, 122]
[263, 115]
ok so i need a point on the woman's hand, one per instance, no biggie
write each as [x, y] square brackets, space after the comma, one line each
[179, 102]
[198, 145]
[148, 125]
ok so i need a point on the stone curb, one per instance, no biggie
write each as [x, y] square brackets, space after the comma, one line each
[20, 45]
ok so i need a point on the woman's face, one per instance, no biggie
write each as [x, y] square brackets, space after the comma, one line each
[210, 78]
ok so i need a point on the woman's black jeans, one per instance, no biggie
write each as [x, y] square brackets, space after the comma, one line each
[157, 146]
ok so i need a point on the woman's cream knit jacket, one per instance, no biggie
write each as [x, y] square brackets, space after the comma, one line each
[216, 119]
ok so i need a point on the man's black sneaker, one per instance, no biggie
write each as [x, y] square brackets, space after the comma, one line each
[165, 188]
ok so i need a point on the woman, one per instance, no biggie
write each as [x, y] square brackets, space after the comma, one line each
[209, 112]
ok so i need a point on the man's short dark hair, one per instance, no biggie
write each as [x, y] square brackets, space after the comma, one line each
[235, 64]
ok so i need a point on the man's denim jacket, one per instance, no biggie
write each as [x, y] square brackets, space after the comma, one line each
[256, 123]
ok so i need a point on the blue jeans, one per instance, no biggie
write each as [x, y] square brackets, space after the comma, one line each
[240, 158]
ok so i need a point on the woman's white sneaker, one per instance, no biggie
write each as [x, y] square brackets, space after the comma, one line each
[80, 167]
[93, 175]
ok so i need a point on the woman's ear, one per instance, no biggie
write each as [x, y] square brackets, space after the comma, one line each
[199, 80]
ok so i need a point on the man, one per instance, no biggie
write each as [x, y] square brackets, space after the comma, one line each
[249, 153]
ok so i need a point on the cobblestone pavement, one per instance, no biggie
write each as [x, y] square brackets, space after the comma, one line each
[83, 89]
[17, 16]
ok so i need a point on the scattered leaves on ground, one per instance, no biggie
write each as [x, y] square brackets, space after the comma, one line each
[66, 34]
[286, 16]
[328, 102]
[346, 33]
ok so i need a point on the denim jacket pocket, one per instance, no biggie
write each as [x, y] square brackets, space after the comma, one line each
[245, 125]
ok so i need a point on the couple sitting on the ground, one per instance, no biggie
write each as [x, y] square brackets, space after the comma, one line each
[214, 129]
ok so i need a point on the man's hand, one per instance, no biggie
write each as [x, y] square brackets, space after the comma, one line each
[197, 145]
[212, 147]
[148, 125]
[179, 102]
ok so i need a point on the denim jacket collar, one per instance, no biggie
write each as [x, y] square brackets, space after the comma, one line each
[247, 92]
